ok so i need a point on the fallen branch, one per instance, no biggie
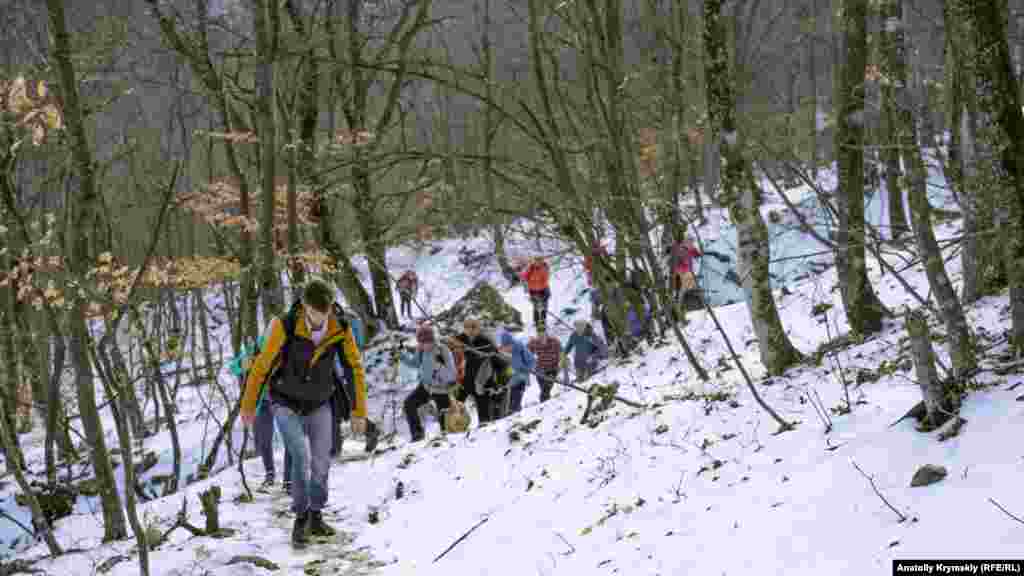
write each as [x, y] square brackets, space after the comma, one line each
[875, 488]
[461, 538]
[629, 403]
[182, 522]
[1005, 511]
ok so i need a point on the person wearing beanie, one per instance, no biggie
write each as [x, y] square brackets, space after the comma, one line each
[523, 362]
[589, 347]
[301, 370]
[436, 373]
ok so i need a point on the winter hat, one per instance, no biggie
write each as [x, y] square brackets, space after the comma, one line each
[425, 334]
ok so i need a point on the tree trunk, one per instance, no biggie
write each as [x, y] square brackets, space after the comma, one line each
[114, 385]
[743, 196]
[14, 459]
[961, 348]
[863, 309]
[264, 26]
[39, 522]
[939, 401]
[987, 57]
[84, 226]
[812, 76]
[490, 133]
[891, 47]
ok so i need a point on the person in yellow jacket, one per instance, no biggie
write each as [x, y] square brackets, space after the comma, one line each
[302, 373]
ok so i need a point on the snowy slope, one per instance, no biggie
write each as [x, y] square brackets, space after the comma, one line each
[694, 485]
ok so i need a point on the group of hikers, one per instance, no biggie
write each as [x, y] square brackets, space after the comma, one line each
[305, 376]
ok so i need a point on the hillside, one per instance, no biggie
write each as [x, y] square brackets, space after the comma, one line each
[698, 483]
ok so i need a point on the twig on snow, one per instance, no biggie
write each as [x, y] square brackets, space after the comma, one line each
[461, 538]
[571, 547]
[1005, 511]
[871, 480]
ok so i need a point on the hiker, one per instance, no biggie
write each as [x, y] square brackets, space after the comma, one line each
[263, 427]
[548, 350]
[483, 364]
[436, 375]
[522, 362]
[590, 349]
[536, 275]
[681, 254]
[407, 285]
[304, 356]
[459, 354]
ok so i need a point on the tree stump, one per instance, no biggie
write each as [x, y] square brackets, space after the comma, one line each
[932, 389]
[209, 499]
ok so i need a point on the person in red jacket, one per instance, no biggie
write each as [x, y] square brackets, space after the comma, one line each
[536, 275]
[682, 252]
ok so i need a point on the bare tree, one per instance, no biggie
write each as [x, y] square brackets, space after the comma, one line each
[986, 54]
[84, 220]
[864, 311]
[903, 127]
[742, 195]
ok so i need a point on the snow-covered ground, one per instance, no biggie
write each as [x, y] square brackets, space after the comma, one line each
[699, 483]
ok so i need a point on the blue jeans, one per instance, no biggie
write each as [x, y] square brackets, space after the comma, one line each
[309, 467]
[517, 388]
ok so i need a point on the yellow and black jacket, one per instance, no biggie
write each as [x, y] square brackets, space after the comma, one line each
[303, 377]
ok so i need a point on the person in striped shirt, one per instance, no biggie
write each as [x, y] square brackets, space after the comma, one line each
[548, 350]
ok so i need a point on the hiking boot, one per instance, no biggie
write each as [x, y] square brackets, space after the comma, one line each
[372, 436]
[417, 436]
[268, 482]
[287, 486]
[300, 531]
[317, 526]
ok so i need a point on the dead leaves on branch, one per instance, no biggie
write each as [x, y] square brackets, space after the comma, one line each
[33, 109]
[220, 204]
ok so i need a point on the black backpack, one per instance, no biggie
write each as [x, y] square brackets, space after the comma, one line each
[289, 322]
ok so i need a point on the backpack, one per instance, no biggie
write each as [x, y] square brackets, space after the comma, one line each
[289, 322]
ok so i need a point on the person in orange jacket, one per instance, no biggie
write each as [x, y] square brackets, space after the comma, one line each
[537, 277]
[304, 358]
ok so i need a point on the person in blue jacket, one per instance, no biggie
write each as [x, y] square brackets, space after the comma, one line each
[589, 347]
[263, 427]
[523, 363]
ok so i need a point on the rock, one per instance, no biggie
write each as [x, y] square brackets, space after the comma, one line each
[256, 561]
[928, 474]
[483, 301]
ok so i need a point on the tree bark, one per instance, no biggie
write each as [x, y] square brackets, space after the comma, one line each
[961, 347]
[264, 21]
[864, 311]
[84, 220]
[987, 56]
[743, 197]
[891, 48]
[938, 407]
